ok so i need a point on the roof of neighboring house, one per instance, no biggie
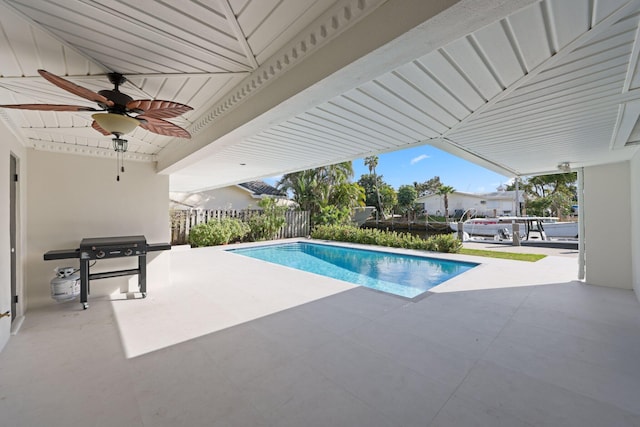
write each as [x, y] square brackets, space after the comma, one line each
[261, 188]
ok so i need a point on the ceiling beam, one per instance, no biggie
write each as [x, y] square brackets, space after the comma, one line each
[232, 20]
[10, 79]
[85, 150]
[395, 32]
[87, 132]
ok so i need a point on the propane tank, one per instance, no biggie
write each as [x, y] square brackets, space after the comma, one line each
[66, 285]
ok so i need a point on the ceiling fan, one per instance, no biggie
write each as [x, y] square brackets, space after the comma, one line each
[121, 113]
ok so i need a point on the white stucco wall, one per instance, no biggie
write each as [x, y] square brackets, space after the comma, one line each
[8, 146]
[229, 198]
[71, 197]
[635, 221]
[607, 219]
[464, 201]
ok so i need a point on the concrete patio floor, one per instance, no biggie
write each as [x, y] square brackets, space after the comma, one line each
[238, 342]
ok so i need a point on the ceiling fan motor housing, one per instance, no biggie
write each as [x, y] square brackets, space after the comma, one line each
[119, 99]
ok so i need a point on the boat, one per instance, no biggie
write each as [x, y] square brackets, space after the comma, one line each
[543, 227]
[360, 215]
[563, 229]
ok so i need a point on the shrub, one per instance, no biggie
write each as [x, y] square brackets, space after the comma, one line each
[237, 229]
[330, 215]
[266, 226]
[217, 232]
[447, 243]
[371, 236]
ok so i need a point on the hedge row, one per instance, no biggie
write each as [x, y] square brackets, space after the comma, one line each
[372, 236]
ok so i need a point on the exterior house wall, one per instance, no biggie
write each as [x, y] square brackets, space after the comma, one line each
[231, 197]
[608, 240]
[462, 202]
[432, 204]
[71, 197]
[10, 146]
[635, 222]
[465, 201]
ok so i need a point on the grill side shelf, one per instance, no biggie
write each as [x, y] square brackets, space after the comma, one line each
[62, 254]
[151, 247]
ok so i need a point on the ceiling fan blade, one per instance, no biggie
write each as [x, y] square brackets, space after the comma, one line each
[48, 107]
[157, 108]
[75, 89]
[162, 127]
[100, 129]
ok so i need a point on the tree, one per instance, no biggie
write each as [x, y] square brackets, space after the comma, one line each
[304, 187]
[330, 177]
[375, 187]
[444, 191]
[372, 162]
[389, 197]
[547, 185]
[348, 194]
[428, 187]
[407, 196]
[315, 189]
[368, 182]
[266, 226]
[554, 193]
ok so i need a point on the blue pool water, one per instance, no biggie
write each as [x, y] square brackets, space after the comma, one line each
[403, 275]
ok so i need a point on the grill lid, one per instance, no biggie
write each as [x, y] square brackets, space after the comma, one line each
[114, 242]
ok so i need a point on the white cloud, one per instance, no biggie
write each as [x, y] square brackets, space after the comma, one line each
[418, 159]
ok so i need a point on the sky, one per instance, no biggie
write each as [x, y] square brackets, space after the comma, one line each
[420, 164]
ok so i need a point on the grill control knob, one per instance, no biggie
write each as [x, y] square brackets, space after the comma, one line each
[128, 252]
[100, 254]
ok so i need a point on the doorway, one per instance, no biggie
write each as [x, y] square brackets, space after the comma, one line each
[13, 182]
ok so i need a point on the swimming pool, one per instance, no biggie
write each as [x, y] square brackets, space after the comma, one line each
[404, 275]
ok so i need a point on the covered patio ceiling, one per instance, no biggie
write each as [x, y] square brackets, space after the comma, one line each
[517, 86]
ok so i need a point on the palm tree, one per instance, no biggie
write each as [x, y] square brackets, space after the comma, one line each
[332, 176]
[372, 162]
[313, 189]
[445, 190]
[304, 187]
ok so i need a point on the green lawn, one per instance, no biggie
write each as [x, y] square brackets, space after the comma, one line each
[503, 255]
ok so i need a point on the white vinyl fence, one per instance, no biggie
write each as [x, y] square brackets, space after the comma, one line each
[182, 220]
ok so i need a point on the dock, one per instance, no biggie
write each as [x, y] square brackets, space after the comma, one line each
[534, 243]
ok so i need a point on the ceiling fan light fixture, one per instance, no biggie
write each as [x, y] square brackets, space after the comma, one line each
[120, 145]
[117, 124]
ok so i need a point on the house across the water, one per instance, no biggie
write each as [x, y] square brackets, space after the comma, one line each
[497, 203]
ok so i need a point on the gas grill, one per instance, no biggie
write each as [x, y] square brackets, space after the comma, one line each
[112, 247]
[93, 249]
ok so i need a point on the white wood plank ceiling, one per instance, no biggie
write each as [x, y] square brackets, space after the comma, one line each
[192, 52]
[551, 81]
